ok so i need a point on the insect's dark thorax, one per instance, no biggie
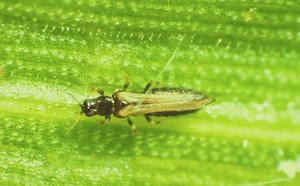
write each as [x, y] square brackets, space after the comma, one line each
[118, 104]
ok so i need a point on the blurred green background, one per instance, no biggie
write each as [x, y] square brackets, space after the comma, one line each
[243, 53]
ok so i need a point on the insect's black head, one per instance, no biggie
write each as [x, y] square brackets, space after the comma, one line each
[101, 106]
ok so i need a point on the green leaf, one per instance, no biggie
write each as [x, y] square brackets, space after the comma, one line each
[245, 54]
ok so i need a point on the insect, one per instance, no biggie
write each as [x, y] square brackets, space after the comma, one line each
[150, 102]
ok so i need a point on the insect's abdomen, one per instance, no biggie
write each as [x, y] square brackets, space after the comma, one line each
[171, 113]
[174, 92]
[162, 102]
[187, 97]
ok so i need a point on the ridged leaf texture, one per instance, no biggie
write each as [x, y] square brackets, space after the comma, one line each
[243, 53]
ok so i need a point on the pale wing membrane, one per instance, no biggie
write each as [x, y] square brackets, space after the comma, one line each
[162, 102]
[159, 97]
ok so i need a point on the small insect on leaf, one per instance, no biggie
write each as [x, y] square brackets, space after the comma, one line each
[154, 102]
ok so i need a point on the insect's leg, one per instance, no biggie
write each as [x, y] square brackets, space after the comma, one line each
[131, 124]
[107, 119]
[151, 120]
[100, 91]
[147, 87]
[126, 85]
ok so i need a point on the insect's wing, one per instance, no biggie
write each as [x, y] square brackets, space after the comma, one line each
[159, 96]
[161, 102]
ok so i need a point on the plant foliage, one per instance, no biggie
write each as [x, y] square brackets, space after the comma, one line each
[243, 53]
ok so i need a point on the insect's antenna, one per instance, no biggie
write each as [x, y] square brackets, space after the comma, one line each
[164, 69]
[75, 99]
[78, 102]
[158, 76]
